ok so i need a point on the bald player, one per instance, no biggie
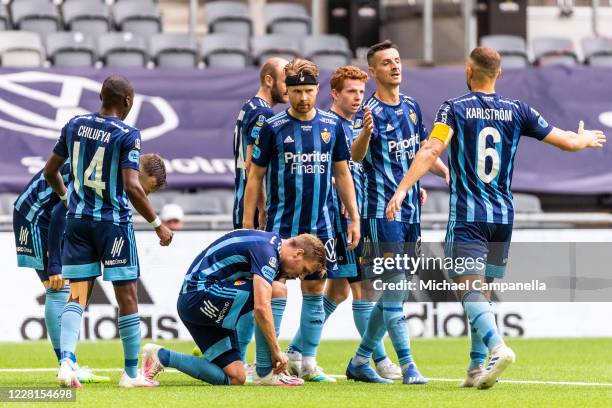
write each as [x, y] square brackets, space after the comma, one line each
[104, 157]
[254, 112]
[481, 131]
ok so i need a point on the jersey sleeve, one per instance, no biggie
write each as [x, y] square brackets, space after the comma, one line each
[420, 124]
[264, 261]
[535, 125]
[130, 151]
[444, 124]
[257, 121]
[340, 152]
[61, 147]
[264, 146]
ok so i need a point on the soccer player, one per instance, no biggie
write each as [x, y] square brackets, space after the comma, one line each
[391, 133]
[481, 130]
[347, 89]
[230, 278]
[254, 112]
[298, 150]
[104, 156]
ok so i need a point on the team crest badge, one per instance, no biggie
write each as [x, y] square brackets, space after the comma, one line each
[326, 136]
[260, 121]
[413, 117]
[239, 283]
[358, 123]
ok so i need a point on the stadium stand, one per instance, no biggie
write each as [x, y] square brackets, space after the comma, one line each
[554, 51]
[228, 17]
[512, 49]
[173, 51]
[327, 51]
[86, 16]
[137, 16]
[597, 51]
[38, 16]
[287, 19]
[122, 50]
[70, 49]
[275, 45]
[6, 203]
[4, 19]
[225, 51]
[21, 49]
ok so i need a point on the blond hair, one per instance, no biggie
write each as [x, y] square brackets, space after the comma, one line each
[300, 66]
[346, 72]
[314, 250]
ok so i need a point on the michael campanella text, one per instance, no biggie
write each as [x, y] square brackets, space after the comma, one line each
[433, 285]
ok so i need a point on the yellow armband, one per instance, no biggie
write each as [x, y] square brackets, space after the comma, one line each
[442, 132]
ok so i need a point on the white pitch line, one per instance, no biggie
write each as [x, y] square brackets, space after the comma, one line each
[171, 370]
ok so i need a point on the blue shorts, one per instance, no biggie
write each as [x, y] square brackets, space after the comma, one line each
[39, 245]
[348, 260]
[332, 260]
[487, 242]
[90, 244]
[211, 315]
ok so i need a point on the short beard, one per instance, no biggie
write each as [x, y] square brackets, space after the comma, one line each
[277, 96]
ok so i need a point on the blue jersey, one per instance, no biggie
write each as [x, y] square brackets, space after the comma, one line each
[396, 138]
[485, 131]
[250, 120]
[299, 157]
[356, 172]
[99, 148]
[237, 255]
[38, 199]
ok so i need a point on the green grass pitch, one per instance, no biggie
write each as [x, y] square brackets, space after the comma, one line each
[552, 360]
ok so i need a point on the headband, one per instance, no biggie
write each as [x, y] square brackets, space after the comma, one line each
[301, 79]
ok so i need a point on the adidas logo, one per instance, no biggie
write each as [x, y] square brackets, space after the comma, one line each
[390, 127]
[288, 139]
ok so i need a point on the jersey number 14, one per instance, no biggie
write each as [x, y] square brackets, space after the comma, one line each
[95, 168]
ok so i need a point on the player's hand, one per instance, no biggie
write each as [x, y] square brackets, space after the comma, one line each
[368, 122]
[353, 234]
[343, 210]
[165, 235]
[56, 282]
[279, 361]
[395, 204]
[595, 138]
[423, 195]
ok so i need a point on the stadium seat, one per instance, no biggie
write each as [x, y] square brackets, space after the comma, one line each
[438, 200]
[511, 48]
[554, 51]
[71, 50]
[287, 18]
[122, 50]
[274, 45]
[86, 16]
[39, 16]
[225, 196]
[137, 17]
[526, 203]
[225, 51]
[6, 203]
[198, 204]
[597, 51]
[173, 51]
[4, 19]
[228, 17]
[20, 49]
[327, 51]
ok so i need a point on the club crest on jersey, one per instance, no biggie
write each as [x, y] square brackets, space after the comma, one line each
[260, 120]
[413, 117]
[358, 123]
[239, 282]
[273, 261]
[137, 144]
[326, 136]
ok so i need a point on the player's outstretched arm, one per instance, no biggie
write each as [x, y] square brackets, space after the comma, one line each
[262, 311]
[359, 148]
[422, 163]
[53, 175]
[138, 198]
[573, 142]
[252, 194]
[346, 191]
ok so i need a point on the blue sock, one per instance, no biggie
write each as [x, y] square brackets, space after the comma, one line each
[278, 308]
[311, 324]
[129, 331]
[374, 332]
[70, 327]
[478, 352]
[244, 331]
[397, 326]
[196, 367]
[361, 315]
[263, 358]
[480, 315]
[55, 300]
[329, 306]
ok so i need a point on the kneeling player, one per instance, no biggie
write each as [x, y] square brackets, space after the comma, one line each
[230, 278]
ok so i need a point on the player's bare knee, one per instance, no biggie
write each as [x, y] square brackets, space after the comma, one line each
[279, 290]
[238, 379]
[127, 298]
[313, 287]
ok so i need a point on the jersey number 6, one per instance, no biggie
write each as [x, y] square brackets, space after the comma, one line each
[484, 152]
